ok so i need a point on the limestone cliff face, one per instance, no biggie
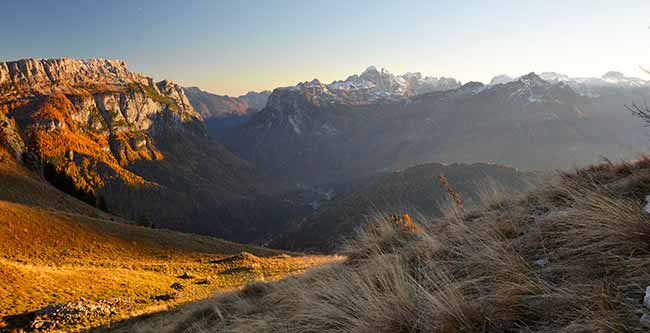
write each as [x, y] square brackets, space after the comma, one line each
[43, 76]
[127, 143]
[93, 103]
[107, 96]
[10, 138]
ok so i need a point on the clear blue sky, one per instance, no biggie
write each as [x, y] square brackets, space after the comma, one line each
[230, 47]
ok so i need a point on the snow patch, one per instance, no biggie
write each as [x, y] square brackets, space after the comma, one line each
[329, 130]
[294, 124]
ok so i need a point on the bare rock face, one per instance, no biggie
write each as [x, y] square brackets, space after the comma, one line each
[10, 138]
[105, 94]
[44, 76]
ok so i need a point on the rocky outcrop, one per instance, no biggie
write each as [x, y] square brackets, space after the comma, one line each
[73, 313]
[10, 138]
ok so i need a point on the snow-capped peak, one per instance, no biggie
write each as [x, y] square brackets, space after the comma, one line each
[613, 75]
[500, 79]
[554, 77]
[373, 84]
[618, 78]
[610, 79]
[532, 79]
[469, 88]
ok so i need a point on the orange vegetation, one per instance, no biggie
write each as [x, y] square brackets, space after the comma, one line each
[57, 249]
[55, 143]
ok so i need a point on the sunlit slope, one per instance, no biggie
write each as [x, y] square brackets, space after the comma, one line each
[56, 249]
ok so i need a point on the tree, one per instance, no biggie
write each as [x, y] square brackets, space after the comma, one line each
[641, 111]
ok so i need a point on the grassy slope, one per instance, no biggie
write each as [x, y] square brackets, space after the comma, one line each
[568, 257]
[57, 249]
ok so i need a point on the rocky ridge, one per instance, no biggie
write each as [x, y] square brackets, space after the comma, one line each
[44, 76]
[223, 112]
[586, 86]
[211, 105]
[371, 86]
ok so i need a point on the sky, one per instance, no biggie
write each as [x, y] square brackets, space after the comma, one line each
[231, 47]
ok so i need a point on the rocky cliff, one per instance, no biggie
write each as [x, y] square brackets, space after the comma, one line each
[29, 77]
[125, 143]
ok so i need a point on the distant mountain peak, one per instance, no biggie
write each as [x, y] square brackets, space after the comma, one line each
[469, 88]
[472, 85]
[532, 79]
[613, 75]
[371, 69]
[500, 79]
[554, 77]
[315, 82]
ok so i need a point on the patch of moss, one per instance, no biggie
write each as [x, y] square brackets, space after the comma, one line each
[119, 123]
[153, 94]
[113, 114]
[96, 116]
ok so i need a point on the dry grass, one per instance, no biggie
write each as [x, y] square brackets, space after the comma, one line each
[56, 249]
[50, 257]
[569, 257]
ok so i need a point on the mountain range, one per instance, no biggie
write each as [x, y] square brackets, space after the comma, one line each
[252, 167]
[314, 134]
[586, 86]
